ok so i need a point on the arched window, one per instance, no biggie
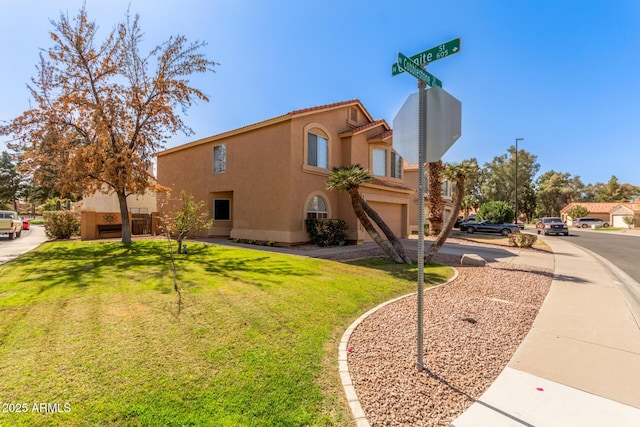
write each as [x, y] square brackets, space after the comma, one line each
[317, 208]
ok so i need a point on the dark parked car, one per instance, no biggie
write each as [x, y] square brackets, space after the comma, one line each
[552, 225]
[489, 227]
[588, 222]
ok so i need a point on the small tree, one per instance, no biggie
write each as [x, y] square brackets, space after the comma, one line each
[578, 211]
[629, 220]
[496, 212]
[187, 220]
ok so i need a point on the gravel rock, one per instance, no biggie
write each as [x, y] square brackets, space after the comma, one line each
[472, 327]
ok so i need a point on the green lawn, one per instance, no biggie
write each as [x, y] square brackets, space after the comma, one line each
[92, 329]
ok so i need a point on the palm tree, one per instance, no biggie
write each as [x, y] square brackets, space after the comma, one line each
[349, 179]
[393, 239]
[434, 196]
[457, 173]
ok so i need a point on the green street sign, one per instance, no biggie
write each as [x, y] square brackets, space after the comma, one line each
[423, 58]
[406, 64]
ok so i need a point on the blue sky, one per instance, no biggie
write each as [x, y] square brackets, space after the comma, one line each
[564, 75]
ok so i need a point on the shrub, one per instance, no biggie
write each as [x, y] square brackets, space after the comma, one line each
[629, 220]
[522, 240]
[326, 232]
[61, 224]
[497, 212]
[578, 211]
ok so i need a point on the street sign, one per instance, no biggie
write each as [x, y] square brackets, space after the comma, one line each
[408, 65]
[423, 58]
[443, 126]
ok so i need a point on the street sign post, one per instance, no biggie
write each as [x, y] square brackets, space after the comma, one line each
[413, 65]
[424, 58]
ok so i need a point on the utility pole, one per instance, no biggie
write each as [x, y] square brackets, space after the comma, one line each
[517, 139]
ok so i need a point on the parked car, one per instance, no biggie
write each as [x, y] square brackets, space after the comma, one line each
[458, 222]
[519, 224]
[488, 227]
[588, 222]
[552, 225]
[10, 224]
[26, 225]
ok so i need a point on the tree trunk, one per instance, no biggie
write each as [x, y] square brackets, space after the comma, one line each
[366, 223]
[434, 197]
[124, 214]
[393, 239]
[448, 226]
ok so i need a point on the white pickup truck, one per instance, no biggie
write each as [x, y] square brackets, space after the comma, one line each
[10, 224]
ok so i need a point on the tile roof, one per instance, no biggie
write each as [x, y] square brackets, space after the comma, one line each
[601, 207]
[275, 119]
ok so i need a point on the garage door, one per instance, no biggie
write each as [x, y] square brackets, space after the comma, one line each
[393, 216]
[618, 221]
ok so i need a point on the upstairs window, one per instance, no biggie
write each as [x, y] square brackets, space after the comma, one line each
[396, 165]
[317, 151]
[379, 160]
[220, 158]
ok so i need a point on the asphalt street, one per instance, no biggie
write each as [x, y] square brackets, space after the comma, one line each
[10, 249]
[620, 249]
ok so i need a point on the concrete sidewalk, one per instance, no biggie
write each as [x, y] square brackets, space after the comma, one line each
[580, 363]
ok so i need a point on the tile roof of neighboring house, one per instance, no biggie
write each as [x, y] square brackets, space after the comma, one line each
[600, 207]
[275, 119]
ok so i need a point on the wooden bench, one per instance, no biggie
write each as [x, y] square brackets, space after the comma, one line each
[109, 230]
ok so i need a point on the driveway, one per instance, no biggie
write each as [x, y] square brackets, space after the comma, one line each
[10, 249]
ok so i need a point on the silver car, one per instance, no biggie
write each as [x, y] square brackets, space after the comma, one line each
[588, 222]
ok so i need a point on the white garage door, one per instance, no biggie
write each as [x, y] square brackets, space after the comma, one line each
[618, 221]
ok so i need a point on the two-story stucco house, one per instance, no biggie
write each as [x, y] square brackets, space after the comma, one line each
[260, 182]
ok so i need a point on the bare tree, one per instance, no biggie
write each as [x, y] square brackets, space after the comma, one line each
[103, 109]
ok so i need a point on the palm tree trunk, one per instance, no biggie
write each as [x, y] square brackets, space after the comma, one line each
[448, 226]
[393, 239]
[366, 223]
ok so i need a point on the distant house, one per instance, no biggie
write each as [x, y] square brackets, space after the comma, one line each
[260, 182]
[611, 212]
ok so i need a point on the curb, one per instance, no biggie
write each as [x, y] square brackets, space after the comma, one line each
[343, 352]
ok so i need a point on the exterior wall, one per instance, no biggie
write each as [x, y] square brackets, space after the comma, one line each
[101, 202]
[269, 182]
[103, 209]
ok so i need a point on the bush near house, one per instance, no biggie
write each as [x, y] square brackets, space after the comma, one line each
[522, 240]
[578, 211]
[630, 220]
[327, 232]
[61, 224]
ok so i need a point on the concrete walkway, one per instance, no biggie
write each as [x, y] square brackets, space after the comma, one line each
[580, 363]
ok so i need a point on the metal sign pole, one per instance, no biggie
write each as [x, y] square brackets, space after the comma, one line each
[422, 158]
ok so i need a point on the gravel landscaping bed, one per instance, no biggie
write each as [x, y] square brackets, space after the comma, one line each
[472, 327]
